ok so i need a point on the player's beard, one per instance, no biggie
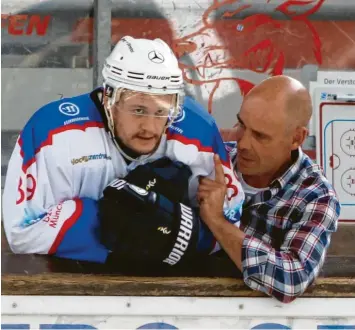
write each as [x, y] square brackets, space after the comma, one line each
[156, 137]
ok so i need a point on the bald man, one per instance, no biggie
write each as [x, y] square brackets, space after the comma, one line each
[291, 210]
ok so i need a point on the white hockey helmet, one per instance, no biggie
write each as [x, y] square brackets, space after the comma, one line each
[142, 65]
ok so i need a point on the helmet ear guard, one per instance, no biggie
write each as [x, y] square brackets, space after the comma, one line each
[109, 90]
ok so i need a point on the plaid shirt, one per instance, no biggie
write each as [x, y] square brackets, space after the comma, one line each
[288, 229]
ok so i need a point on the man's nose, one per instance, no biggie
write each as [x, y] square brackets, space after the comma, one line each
[148, 123]
[243, 139]
[238, 133]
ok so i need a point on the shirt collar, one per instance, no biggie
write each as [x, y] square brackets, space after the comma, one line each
[297, 158]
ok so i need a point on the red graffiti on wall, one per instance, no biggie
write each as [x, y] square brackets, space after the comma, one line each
[223, 45]
[18, 25]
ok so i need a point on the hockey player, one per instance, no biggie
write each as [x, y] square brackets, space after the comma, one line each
[117, 169]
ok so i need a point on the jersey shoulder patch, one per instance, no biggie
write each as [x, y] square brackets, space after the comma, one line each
[77, 112]
[194, 123]
[77, 109]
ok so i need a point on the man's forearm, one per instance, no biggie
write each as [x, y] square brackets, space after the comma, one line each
[230, 238]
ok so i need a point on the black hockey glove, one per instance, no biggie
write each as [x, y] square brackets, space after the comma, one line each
[145, 225]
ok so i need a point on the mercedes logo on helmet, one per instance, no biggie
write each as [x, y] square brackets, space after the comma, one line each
[156, 57]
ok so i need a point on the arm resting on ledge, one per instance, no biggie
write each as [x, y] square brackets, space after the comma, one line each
[287, 273]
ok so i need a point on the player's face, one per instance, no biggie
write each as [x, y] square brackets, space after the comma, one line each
[140, 119]
[264, 144]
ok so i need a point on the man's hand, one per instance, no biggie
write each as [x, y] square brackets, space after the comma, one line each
[211, 195]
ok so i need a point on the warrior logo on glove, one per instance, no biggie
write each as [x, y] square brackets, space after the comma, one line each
[157, 224]
[184, 236]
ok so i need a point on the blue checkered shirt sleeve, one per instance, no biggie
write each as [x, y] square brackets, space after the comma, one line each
[287, 272]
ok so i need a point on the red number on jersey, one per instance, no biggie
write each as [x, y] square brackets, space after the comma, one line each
[232, 186]
[30, 189]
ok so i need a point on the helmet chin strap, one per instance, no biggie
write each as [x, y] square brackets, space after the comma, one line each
[125, 155]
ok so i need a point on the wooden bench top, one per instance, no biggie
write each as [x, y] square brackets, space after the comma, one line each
[215, 276]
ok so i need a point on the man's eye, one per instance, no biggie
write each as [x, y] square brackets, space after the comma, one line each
[260, 135]
[138, 111]
[162, 112]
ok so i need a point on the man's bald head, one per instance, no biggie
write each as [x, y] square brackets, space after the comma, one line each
[271, 124]
[288, 95]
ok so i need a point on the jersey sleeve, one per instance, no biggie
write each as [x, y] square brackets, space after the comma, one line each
[194, 138]
[234, 198]
[235, 195]
[41, 216]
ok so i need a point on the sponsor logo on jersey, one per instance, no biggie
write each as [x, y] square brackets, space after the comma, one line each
[180, 116]
[73, 120]
[177, 129]
[85, 159]
[69, 109]
[234, 214]
[184, 236]
[53, 216]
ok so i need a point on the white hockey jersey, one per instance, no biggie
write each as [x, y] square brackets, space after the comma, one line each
[63, 160]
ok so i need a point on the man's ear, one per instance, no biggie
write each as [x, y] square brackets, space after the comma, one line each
[299, 137]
